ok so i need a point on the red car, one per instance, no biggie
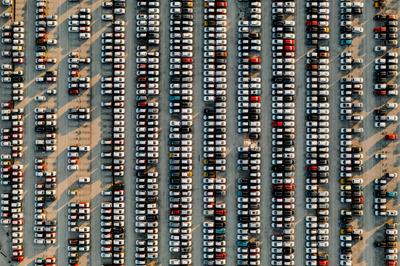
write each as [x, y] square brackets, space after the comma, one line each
[8, 104]
[6, 169]
[380, 92]
[222, 4]
[187, 60]
[174, 211]
[312, 167]
[380, 29]
[73, 91]
[220, 255]
[289, 186]
[255, 99]
[323, 262]
[142, 103]
[142, 78]
[220, 212]
[289, 42]
[18, 258]
[289, 48]
[277, 124]
[17, 221]
[255, 60]
[311, 23]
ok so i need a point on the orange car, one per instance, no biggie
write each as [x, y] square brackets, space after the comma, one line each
[391, 136]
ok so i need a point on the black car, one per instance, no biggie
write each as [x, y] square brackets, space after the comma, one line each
[254, 136]
[17, 78]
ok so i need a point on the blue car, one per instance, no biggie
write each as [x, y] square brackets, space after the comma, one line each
[241, 243]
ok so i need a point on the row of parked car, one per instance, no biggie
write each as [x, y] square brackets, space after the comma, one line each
[78, 23]
[351, 189]
[348, 62]
[389, 243]
[45, 193]
[44, 23]
[12, 73]
[317, 132]
[117, 7]
[385, 84]
[283, 131]
[348, 11]
[382, 195]
[317, 24]
[46, 261]
[11, 169]
[385, 79]
[45, 187]
[351, 156]
[248, 206]
[45, 229]
[180, 128]
[249, 117]
[385, 70]
[351, 90]
[113, 56]
[387, 31]
[351, 184]
[76, 81]
[79, 213]
[385, 74]
[112, 226]
[46, 128]
[73, 155]
[147, 135]
[249, 78]
[79, 226]
[81, 23]
[349, 235]
[11, 136]
[214, 131]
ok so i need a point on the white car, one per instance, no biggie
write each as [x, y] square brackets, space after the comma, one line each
[379, 48]
[84, 35]
[380, 124]
[40, 98]
[107, 17]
